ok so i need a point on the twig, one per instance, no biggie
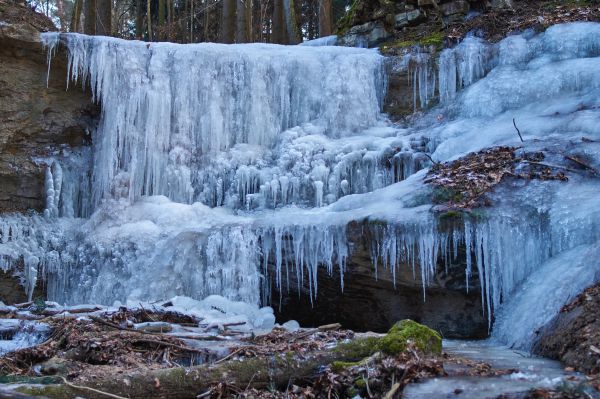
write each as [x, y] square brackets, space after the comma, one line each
[238, 350]
[205, 394]
[518, 131]
[146, 313]
[550, 165]
[431, 159]
[162, 343]
[110, 395]
[582, 164]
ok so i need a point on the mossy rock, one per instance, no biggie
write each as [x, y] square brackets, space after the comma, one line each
[393, 343]
[405, 331]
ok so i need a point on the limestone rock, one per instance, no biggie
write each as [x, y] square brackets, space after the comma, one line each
[369, 34]
[36, 118]
[455, 7]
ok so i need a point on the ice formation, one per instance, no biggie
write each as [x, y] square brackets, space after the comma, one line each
[231, 169]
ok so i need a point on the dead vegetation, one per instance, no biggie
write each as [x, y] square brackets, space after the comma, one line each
[463, 183]
[99, 355]
[496, 24]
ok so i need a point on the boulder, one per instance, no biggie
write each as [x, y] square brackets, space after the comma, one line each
[369, 34]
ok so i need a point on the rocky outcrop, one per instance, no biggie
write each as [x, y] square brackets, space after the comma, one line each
[38, 118]
[573, 336]
[369, 303]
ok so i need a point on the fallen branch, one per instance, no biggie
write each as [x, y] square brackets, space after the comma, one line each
[238, 350]
[163, 343]
[110, 395]
[582, 164]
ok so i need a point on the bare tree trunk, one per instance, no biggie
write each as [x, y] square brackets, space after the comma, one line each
[104, 17]
[89, 25]
[149, 15]
[291, 24]
[139, 19]
[249, 25]
[278, 25]
[325, 28]
[240, 22]
[160, 22]
[76, 16]
[228, 26]
[60, 6]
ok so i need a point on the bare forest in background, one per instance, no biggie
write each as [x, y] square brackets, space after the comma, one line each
[192, 21]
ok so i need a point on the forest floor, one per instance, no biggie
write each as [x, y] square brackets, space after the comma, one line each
[141, 352]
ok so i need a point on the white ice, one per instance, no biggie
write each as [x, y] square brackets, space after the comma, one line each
[214, 166]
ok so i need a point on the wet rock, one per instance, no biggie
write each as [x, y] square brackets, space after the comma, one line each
[573, 336]
[369, 303]
[38, 118]
[455, 7]
[369, 34]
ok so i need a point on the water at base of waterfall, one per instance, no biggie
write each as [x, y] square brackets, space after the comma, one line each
[528, 372]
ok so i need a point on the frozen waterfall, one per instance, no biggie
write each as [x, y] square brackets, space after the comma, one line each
[222, 169]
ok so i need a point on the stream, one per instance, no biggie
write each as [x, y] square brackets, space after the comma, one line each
[530, 372]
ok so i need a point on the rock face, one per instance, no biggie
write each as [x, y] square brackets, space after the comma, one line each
[573, 336]
[36, 120]
[373, 304]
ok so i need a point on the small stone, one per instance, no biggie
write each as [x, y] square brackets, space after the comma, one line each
[455, 7]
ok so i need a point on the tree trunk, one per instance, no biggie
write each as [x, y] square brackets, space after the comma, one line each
[160, 22]
[325, 28]
[104, 17]
[182, 383]
[76, 16]
[89, 26]
[291, 24]
[60, 6]
[240, 24]
[278, 25]
[249, 25]
[149, 19]
[139, 19]
[228, 25]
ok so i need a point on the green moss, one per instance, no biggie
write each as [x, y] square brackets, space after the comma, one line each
[359, 348]
[435, 39]
[397, 338]
[360, 383]
[442, 195]
[393, 343]
[450, 215]
[346, 22]
[338, 366]
[47, 391]
[24, 379]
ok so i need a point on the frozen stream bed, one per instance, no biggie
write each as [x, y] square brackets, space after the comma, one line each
[530, 372]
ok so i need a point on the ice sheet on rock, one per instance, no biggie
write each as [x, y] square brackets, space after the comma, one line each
[19, 334]
[217, 311]
[321, 41]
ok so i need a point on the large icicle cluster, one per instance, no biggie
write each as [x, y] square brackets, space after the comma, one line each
[166, 107]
